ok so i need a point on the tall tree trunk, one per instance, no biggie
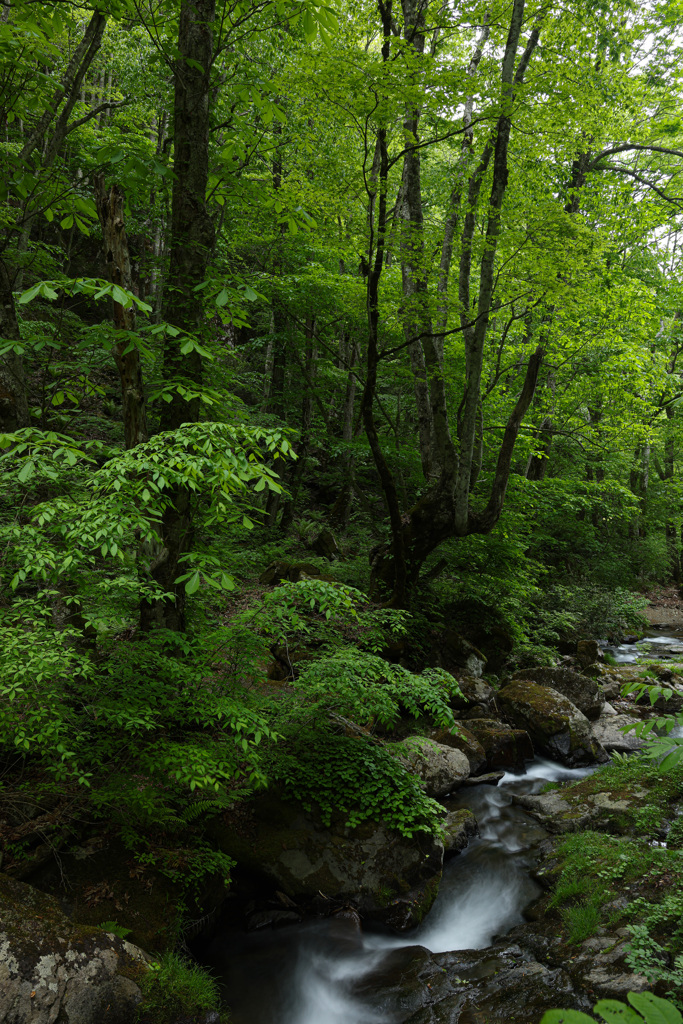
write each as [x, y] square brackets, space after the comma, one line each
[306, 422]
[14, 410]
[110, 205]
[444, 511]
[192, 240]
[671, 528]
[416, 319]
[341, 509]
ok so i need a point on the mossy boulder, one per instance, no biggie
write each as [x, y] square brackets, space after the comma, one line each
[52, 970]
[371, 867]
[556, 726]
[581, 690]
[441, 769]
[504, 747]
[465, 741]
[101, 881]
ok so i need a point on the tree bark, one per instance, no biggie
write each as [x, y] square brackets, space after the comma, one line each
[192, 240]
[444, 511]
[14, 410]
[110, 204]
[416, 319]
[192, 230]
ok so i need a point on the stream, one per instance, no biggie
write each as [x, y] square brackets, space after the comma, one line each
[661, 648]
[306, 973]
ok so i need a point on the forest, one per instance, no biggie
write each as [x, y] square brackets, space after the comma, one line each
[341, 467]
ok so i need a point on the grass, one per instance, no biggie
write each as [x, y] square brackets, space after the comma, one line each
[175, 987]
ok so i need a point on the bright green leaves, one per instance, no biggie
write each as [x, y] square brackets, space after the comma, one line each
[90, 287]
[110, 510]
[650, 1009]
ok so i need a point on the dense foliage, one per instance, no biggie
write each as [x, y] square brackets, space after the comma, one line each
[275, 271]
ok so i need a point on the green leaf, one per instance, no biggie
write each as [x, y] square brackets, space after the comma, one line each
[27, 471]
[309, 26]
[67, 223]
[566, 1017]
[192, 585]
[615, 1012]
[654, 1009]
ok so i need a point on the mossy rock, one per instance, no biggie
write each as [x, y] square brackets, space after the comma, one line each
[368, 866]
[53, 970]
[556, 726]
[101, 881]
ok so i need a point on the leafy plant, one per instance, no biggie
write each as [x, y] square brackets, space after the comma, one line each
[645, 1008]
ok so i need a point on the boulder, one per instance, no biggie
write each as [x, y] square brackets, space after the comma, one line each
[467, 742]
[478, 698]
[281, 569]
[441, 768]
[611, 687]
[489, 779]
[326, 546]
[579, 689]
[382, 873]
[52, 969]
[460, 827]
[608, 732]
[497, 985]
[556, 726]
[504, 747]
[587, 652]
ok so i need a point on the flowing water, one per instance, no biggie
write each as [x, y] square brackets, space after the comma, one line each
[663, 648]
[306, 974]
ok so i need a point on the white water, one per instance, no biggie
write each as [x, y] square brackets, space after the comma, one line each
[663, 647]
[307, 974]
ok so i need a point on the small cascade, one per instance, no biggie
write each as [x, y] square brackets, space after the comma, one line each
[308, 973]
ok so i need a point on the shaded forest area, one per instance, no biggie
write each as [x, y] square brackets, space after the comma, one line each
[340, 353]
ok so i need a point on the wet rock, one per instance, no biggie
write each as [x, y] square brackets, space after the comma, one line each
[608, 732]
[271, 919]
[499, 985]
[460, 826]
[611, 687]
[579, 689]
[556, 726]
[478, 698]
[441, 769]
[555, 812]
[52, 969]
[504, 747]
[489, 779]
[368, 867]
[465, 741]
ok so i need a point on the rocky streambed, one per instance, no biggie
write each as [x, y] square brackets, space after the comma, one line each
[487, 951]
[474, 958]
[343, 925]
